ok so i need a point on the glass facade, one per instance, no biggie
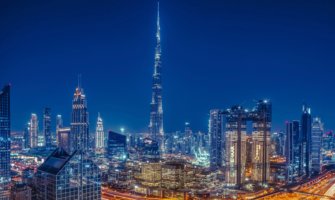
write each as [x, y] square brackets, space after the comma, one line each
[117, 146]
[66, 177]
[47, 127]
[79, 137]
[317, 132]
[5, 176]
[306, 132]
[216, 138]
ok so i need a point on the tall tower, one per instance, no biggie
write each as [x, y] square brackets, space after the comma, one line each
[262, 118]
[236, 145]
[156, 114]
[99, 134]
[59, 124]
[33, 131]
[47, 127]
[26, 136]
[79, 136]
[216, 138]
[306, 131]
[317, 132]
[293, 150]
[5, 177]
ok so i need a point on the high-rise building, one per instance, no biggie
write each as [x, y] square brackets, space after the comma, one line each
[293, 151]
[47, 127]
[289, 152]
[68, 176]
[149, 150]
[79, 137]
[216, 138]
[298, 156]
[262, 118]
[5, 121]
[156, 113]
[26, 136]
[236, 154]
[64, 138]
[99, 134]
[33, 131]
[306, 132]
[236, 149]
[59, 124]
[71, 175]
[188, 139]
[116, 146]
[317, 132]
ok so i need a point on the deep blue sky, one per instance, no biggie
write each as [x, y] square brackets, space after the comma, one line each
[215, 54]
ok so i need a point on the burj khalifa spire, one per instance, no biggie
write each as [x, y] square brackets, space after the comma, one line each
[156, 113]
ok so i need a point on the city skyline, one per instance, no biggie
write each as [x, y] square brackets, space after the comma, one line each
[122, 96]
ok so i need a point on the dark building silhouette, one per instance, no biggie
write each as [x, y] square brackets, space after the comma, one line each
[116, 146]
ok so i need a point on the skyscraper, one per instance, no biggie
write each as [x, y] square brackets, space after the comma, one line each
[71, 175]
[236, 149]
[317, 132]
[293, 151]
[99, 133]
[26, 136]
[289, 152]
[59, 124]
[188, 139]
[156, 113]
[79, 122]
[306, 132]
[64, 138]
[116, 146]
[47, 127]
[5, 177]
[262, 118]
[33, 131]
[66, 176]
[298, 157]
[216, 138]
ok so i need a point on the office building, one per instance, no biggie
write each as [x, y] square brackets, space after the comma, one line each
[236, 154]
[5, 124]
[79, 137]
[216, 138]
[64, 138]
[116, 146]
[261, 118]
[306, 132]
[66, 176]
[317, 132]
[47, 127]
[26, 136]
[33, 131]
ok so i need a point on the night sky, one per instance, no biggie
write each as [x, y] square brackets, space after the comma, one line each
[214, 54]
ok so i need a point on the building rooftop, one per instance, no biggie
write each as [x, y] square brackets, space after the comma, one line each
[55, 162]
